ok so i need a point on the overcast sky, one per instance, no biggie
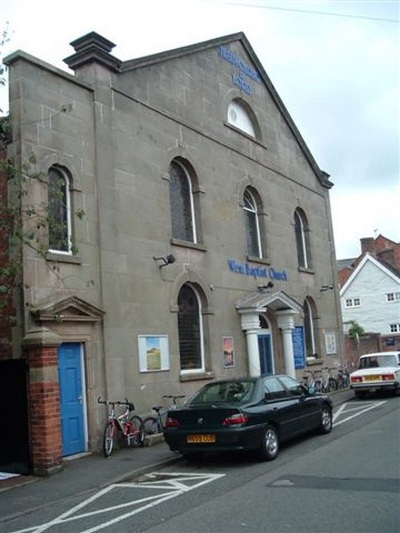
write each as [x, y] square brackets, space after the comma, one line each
[334, 63]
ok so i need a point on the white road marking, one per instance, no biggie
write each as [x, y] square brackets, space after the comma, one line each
[171, 487]
[359, 410]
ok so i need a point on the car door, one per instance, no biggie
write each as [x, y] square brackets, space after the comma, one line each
[282, 408]
[308, 410]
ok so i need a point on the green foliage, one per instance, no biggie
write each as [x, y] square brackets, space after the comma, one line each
[24, 221]
[355, 330]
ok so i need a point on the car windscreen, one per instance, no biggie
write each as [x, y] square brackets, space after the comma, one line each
[226, 391]
[375, 361]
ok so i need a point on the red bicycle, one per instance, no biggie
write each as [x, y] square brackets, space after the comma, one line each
[125, 426]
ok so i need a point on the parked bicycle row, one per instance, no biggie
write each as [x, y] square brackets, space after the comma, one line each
[324, 380]
[130, 429]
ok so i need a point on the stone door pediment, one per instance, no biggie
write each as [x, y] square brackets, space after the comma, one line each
[72, 309]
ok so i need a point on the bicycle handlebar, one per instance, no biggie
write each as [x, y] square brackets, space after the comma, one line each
[127, 403]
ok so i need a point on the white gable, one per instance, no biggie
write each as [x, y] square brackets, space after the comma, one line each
[364, 297]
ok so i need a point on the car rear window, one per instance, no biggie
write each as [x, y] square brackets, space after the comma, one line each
[376, 361]
[237, 392]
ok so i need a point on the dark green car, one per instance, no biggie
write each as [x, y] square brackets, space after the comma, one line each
[254, 414]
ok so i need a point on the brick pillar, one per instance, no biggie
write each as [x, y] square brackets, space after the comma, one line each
[44, 401]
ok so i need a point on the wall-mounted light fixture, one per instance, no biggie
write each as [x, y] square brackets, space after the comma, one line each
[269, 285]
[165, 260]
[326, 288]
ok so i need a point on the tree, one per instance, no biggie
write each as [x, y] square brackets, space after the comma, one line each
[355, 331]
[24, 222]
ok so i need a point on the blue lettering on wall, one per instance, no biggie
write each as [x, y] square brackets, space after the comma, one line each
[238, 79]
[226, 54]
[256, 271]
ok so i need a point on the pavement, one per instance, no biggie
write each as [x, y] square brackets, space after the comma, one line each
[92, 471]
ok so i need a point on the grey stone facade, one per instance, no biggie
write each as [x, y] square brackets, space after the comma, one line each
[116, 127]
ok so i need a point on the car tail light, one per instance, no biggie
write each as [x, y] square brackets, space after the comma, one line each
[171, 422]
[235, 420]
[356, 379]
[388, 377]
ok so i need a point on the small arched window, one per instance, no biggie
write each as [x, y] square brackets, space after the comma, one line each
[182, 203]
[252, 224]
[59, 210]
[302, 239]
[239, 117]
[190, 330]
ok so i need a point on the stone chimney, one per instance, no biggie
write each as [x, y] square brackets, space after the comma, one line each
[367, 245]
[93, 48]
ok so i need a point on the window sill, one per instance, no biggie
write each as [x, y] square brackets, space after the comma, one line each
[63, 258]
[196, 376]
[306, 270]
[311, 361]
[188, 244]
[262, 260]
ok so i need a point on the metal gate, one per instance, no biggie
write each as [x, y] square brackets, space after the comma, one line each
[14, 428]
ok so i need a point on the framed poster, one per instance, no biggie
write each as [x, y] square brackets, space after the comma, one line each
[153, 353]
[330, 343]
[228, 352]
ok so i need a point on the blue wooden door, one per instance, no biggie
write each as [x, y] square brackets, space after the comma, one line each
[71, 398]
[264, 348]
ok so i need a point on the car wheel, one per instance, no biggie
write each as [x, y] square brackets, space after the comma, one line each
[326, 420]
[269, 444]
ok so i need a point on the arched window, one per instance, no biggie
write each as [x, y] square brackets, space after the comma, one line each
[302, 239]
[59, 208]
[310, 331]
[252, 225]
[190, 329]
[240, 118]
[181, 203]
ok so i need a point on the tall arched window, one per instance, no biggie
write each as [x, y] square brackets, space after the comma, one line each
[310, 332]
[190, 329]
[252, 225]
[181, 203]
[302, 239]
[59, 208]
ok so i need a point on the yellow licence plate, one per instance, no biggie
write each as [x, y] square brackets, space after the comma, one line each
[372, 378]
[194, 439]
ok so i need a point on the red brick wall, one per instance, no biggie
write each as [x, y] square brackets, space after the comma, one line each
[369, 343]
[44, 410]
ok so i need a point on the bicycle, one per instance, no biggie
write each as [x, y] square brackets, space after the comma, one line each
[126, 426]
[312, 381]
[343, 377]
[155, 424]
[329, 382]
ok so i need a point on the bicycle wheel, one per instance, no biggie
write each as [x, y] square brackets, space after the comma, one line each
[333, 383]
[151, 425]
[136, 437]
[108, 438]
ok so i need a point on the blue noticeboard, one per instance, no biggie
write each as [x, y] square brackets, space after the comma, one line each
[298, 347]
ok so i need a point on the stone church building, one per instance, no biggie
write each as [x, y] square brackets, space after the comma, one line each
[204, 249]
